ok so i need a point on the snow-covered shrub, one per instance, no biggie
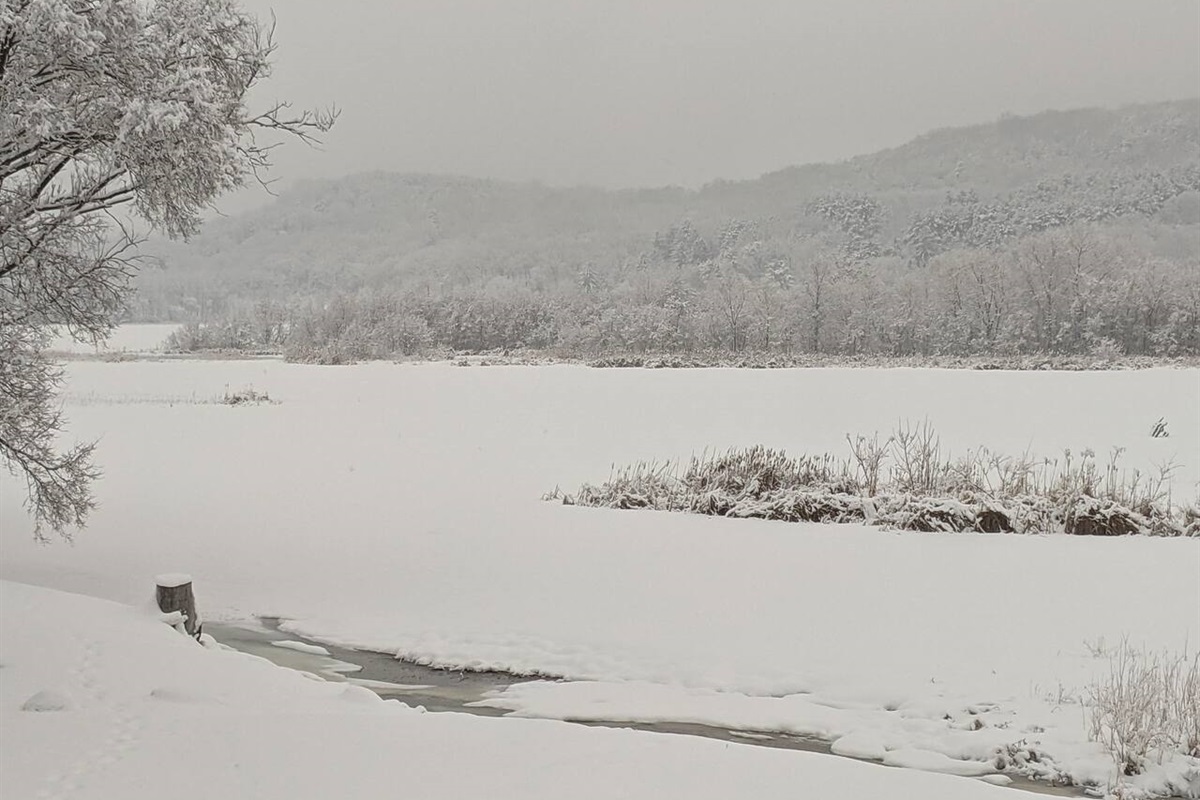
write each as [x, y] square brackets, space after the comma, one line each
[1146, 707]
[244, 397]
[917, 453]
[643, 485]
[869, 455]
[924, 489]
[933, 515]
[761, 470]
[195, 337]
[1025, 758]
[618, 361]
[795, 506]
[1191, 521]
[1090, 516]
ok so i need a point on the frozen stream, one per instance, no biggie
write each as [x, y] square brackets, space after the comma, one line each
[443, 690]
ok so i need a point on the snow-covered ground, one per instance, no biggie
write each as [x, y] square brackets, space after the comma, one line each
[397, 508]
[141, 338]
[99, 700]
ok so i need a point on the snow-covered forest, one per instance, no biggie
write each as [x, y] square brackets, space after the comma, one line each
[1065, 232]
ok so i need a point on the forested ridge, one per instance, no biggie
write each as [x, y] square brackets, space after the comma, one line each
[1063, 232]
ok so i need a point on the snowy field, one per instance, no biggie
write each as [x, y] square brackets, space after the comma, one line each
[397, 508]
[143, 338]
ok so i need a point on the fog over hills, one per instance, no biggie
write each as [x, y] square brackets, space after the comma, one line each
[1129, 175]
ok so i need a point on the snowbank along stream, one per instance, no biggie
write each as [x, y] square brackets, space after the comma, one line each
[447, 690]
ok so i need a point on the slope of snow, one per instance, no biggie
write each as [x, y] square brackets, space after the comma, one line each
[396, 508]
[140, 711]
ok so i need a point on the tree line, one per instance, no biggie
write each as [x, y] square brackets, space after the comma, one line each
[1079, 289]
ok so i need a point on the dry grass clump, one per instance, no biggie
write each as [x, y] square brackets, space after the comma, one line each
[1146, 708]
[248, 396]
[909, 482]
[760, 470]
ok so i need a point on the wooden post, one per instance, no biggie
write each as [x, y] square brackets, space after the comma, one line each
[173, 592]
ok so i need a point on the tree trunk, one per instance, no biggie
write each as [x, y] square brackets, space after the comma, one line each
[174, 593]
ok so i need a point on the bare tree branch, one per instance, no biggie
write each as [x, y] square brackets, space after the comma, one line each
[107, 104]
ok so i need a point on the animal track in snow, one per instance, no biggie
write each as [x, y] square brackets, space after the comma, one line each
[122, 734]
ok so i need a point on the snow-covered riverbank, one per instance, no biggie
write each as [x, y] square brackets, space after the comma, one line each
[99, 700]
[396, 508]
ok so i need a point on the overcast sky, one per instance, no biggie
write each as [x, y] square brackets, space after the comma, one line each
[653, 92]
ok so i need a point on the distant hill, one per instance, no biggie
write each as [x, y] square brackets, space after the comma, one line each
[977, 186]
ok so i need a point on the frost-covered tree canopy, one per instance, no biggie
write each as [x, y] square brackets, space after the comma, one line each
[107, 107]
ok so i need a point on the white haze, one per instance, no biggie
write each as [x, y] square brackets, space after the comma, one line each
[633, 93]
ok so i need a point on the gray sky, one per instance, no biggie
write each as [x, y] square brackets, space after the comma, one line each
[653, 92]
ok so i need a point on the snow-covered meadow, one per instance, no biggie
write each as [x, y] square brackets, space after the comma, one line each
[397, 507]
[125, 339]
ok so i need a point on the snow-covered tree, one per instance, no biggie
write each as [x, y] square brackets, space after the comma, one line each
[110, 110]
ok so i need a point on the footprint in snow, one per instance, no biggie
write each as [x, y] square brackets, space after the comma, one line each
[47, 700]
